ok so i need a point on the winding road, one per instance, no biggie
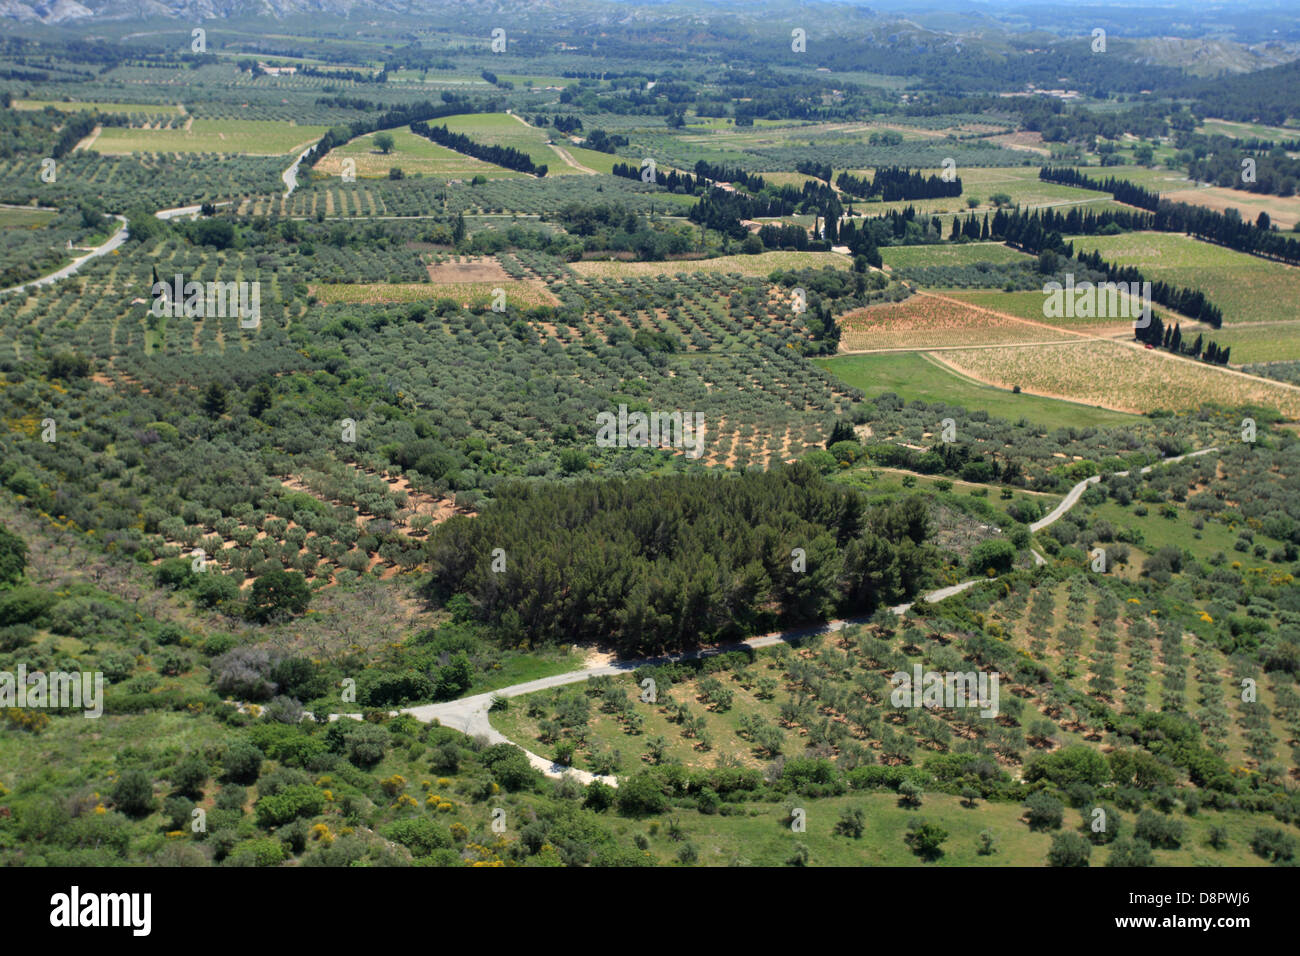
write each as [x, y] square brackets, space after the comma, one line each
[113, 242]
[469, 715]
[289, 177]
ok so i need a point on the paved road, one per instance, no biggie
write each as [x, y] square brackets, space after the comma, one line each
[113, 241]
[289, 176]
[470, 714]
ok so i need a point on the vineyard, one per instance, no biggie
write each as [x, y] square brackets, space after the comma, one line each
[1119, 377]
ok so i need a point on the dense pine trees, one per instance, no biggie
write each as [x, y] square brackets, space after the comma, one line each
[666, 563]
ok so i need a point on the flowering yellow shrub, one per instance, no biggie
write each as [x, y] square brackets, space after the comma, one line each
[24, 719]
[393, 785]
[459, 832]
[405, 800]
[444, 782]
[322, 833]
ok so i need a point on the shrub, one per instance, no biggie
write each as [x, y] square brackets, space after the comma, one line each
[996, 555]
[509, 766]
[420, 835]
[300, 800]
[925, 839]
[1044, 812]
[1274, 845]
[1158, 830]
[278, 594]
[133, 793]
[242, 763]
[1069, 849]
[190, 775]
[265, 851]
[1130, 852]
[642, 794]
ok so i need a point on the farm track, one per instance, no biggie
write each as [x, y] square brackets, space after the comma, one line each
[470, 715]
[289, 176]
[565, 156]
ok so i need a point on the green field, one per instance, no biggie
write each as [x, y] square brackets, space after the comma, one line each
[911, 376]
[413, 155]
[249, 137]
[1219, 127]
[1260, 343]
[592, 158]
[99, 105]
[913, 257]
[25, 218]
[501, 129]
[1029, 305]
[1247, 288]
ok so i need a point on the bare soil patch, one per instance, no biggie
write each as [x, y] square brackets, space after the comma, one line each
[478, 269]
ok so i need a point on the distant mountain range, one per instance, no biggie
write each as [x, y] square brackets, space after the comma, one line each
[1203, 38]
[71, 11]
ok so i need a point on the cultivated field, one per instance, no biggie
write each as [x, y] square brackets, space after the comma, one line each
[502, 129]
[98, 106]
[1271, 342]
[759, 265]
[1117, 376]
[524, 293]
[1029, 306]
[917, 377]
[413, 154]
[903, 257]
[1247, 288]
[924, 321]
[249, 137]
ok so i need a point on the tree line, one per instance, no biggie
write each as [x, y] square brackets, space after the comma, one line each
[506, 156]
[1225, 229]
[1157, 334]
[391, 119]
[893, 183]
